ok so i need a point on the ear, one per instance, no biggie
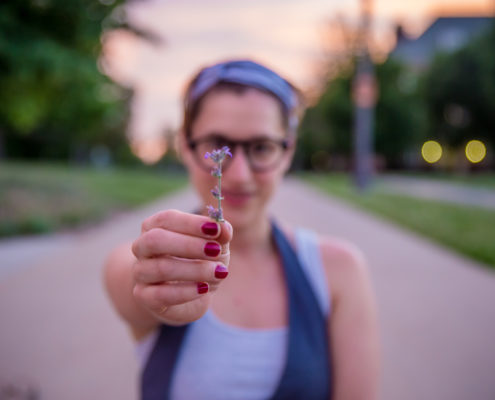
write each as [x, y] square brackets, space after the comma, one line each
[289, 155]
[182, 149]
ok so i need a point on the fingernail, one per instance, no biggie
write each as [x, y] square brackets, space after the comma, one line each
[202, 287]
[212, 249]
[210, 228]
[221, 272]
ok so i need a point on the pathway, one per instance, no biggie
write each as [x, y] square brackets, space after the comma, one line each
[60, 335]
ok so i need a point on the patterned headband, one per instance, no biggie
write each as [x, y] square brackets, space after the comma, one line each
[247, 73]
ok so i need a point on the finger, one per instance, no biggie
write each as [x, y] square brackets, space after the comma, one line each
[189, 224]
[155, 270]
[169, 294]
[160, 242]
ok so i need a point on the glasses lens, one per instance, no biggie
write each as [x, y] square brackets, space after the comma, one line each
[264, 154]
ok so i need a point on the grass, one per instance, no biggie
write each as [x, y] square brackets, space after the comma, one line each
[479, 180]
[38, 198]
[468, 230]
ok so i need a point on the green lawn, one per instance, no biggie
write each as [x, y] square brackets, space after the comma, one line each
[481, 180]
[468, 230]
[36, 198]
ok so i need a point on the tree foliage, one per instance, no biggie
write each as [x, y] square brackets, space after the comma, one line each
[55, 101]
[399, 118]
[459, 90]
[453, 100]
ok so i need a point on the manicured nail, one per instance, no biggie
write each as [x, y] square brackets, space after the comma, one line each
[202, 287]
[212, 249]
[210, 228]
[221, 272]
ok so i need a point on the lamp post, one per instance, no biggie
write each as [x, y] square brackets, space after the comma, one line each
[364, 95]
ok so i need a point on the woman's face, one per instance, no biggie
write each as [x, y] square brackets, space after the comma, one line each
[233, 116]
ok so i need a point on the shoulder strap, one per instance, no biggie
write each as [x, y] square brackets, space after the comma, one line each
[156, 377]
[309, 254]
[307, 372]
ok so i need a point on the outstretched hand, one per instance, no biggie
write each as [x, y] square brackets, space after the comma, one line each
[181, 259]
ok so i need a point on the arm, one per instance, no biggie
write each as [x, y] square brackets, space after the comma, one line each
[119, 283]
[353, 325]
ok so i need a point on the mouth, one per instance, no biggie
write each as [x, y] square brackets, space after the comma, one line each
[236, 198]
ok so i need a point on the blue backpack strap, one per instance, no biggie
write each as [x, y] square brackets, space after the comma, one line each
[307, 374]
[156, 377]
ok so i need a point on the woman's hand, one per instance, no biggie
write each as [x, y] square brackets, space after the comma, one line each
[181, 259]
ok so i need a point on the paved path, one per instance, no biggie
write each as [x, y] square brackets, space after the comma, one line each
[59, 334]
[438, 190]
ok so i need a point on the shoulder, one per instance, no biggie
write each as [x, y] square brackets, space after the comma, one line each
[120, 256]
[344, 264]
[353, 326]
[121, 252]
[340, 253]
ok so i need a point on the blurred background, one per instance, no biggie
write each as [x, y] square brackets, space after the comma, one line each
[400, 118]
[98, 84]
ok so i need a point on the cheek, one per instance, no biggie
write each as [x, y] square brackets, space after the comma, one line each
[269, 181]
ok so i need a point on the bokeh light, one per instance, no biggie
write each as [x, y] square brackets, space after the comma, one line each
[431, 151]
[475, 151]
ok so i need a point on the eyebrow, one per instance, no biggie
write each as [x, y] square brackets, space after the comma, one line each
[219, 135]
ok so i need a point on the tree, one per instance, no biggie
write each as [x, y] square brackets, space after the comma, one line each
[459, 90]
[55, 102]
[399, 119]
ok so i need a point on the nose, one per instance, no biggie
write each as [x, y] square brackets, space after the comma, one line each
[239, 164]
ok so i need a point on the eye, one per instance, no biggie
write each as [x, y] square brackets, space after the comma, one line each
[219, 142]
[262, 147]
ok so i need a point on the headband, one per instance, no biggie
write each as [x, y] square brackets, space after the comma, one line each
[247, 73]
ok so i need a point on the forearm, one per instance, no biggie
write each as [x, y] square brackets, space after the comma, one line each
[119, 285]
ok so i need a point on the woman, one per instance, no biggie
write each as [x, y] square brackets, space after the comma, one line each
[244, 309]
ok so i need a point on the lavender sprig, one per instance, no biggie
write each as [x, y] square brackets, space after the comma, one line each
[218, 157]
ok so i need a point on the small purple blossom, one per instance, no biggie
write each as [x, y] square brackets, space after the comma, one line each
[216, 171]
[215, 213]
[217, 156]
[226, 151]
[216, 193]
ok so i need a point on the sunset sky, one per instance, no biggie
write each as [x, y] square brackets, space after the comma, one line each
[287, 35]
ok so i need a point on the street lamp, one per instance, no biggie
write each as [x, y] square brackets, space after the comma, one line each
[364, 95]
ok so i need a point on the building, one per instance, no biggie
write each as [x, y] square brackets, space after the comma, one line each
[445, 34]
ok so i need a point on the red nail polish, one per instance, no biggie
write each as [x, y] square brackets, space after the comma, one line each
[212, 249]
[221, 272]
[210, 228]
[202, 287]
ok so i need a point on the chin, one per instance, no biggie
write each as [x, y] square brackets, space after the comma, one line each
[240, 218]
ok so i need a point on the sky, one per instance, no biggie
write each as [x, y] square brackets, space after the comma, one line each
[290, 36]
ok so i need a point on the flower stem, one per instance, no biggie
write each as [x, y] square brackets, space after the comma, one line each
[220, 191]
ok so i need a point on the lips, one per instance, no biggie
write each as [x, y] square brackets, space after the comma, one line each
[236, 198]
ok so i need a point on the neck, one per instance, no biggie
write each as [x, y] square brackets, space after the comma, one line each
[255, 236]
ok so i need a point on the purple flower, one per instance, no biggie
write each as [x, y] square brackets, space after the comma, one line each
[218, 156]
[216, 171]
[215, 213]
[226, 151]
[216, 193]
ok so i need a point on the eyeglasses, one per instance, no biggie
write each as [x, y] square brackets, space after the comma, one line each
[263, 154]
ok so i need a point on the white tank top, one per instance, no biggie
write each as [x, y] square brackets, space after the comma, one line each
[221, 361]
